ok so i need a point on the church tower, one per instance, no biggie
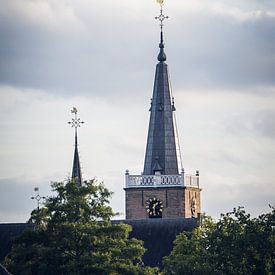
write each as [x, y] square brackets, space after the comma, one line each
[163, 190]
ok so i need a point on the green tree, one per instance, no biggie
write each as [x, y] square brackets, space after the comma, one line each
[73, 234]
[236, 244]
[189, 254]
[243, 245]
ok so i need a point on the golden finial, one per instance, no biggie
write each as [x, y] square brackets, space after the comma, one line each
[74, 110]
[160, 2]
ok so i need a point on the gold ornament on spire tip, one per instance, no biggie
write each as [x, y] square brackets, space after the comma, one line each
[74, 110]
[160, 2]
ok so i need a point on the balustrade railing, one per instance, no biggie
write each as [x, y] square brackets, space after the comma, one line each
[161, 180]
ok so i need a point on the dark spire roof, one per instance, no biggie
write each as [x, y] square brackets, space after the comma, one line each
[76, 172]
[161, 151]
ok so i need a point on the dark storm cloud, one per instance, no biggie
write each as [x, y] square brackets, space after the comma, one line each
[117, 55]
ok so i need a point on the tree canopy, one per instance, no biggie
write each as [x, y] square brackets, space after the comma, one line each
[73, 234]
[236, 244]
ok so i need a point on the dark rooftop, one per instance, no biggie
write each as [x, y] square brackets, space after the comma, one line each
[158, 235]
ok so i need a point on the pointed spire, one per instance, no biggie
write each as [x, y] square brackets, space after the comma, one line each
[162, 154]
[76, 171]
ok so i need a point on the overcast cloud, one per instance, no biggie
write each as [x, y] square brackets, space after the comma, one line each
[100, 56]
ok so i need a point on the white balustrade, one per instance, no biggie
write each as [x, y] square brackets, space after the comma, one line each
[192, 180]
[180, 180]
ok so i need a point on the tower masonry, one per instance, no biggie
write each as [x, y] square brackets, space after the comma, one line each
[163, 190]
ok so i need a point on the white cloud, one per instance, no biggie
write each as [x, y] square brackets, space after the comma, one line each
[238, 14]
[236, 166]
[53, 15]
[99, 56]
[37, 145]
[239, 11]
[76, 41]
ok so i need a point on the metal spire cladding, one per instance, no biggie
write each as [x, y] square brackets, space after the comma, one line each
[76, 171]
[161, 152]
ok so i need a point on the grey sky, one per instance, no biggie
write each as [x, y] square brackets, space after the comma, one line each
[100, 56]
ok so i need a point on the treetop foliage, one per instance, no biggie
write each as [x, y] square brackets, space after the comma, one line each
[236, 244]
[73, 234]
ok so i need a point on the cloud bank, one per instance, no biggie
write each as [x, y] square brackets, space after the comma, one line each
[100, 57]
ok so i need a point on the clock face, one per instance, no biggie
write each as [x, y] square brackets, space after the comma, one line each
[193, 207]
[154, 208]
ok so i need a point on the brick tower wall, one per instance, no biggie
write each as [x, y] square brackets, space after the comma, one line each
[176, 201]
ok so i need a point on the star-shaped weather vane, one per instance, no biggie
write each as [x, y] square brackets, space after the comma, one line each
[161, 17]
[75, 122]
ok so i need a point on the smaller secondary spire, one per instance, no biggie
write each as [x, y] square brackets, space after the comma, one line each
[76, 171]
[161, 18]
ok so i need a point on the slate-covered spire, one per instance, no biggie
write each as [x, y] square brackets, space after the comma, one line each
[161, 151]
[76, 171]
